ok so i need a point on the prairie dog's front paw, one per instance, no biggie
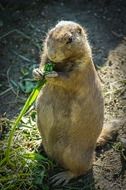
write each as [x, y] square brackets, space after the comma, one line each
[37, 74]
[51, 74]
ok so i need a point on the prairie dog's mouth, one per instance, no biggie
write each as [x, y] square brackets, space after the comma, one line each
[64, 66]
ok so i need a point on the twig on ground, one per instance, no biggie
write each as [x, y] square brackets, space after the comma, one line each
[22, 34]
[23, 57]
[123, 81]
[5, 91]
[10, 85]
[115, 91]
[117, 35]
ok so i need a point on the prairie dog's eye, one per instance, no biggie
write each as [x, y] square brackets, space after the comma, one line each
[70, 39]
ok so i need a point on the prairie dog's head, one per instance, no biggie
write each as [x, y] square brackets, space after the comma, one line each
[67, 40]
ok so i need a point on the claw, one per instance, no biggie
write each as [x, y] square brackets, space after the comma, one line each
[37, 74]
[62, 178]
[51, 74]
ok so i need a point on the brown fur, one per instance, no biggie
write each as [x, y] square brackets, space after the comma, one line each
[108, 131]
[70, 106]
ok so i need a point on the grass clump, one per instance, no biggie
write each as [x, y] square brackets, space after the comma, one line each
[27, 168]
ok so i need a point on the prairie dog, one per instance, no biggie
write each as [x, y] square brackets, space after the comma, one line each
[70, 107]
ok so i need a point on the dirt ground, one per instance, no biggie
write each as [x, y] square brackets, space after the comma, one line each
[23, 27]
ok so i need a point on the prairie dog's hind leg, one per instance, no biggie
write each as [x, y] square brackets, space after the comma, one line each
[76, 162]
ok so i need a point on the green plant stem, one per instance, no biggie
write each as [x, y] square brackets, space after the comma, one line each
[28, 103]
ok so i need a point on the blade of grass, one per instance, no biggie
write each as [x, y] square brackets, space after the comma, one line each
[28, 103]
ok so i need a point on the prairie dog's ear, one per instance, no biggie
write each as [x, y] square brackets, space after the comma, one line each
[50, 32]
[82, 30]
[79, 29]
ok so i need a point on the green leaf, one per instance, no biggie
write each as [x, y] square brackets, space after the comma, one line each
[27, 86]
[35, 156]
